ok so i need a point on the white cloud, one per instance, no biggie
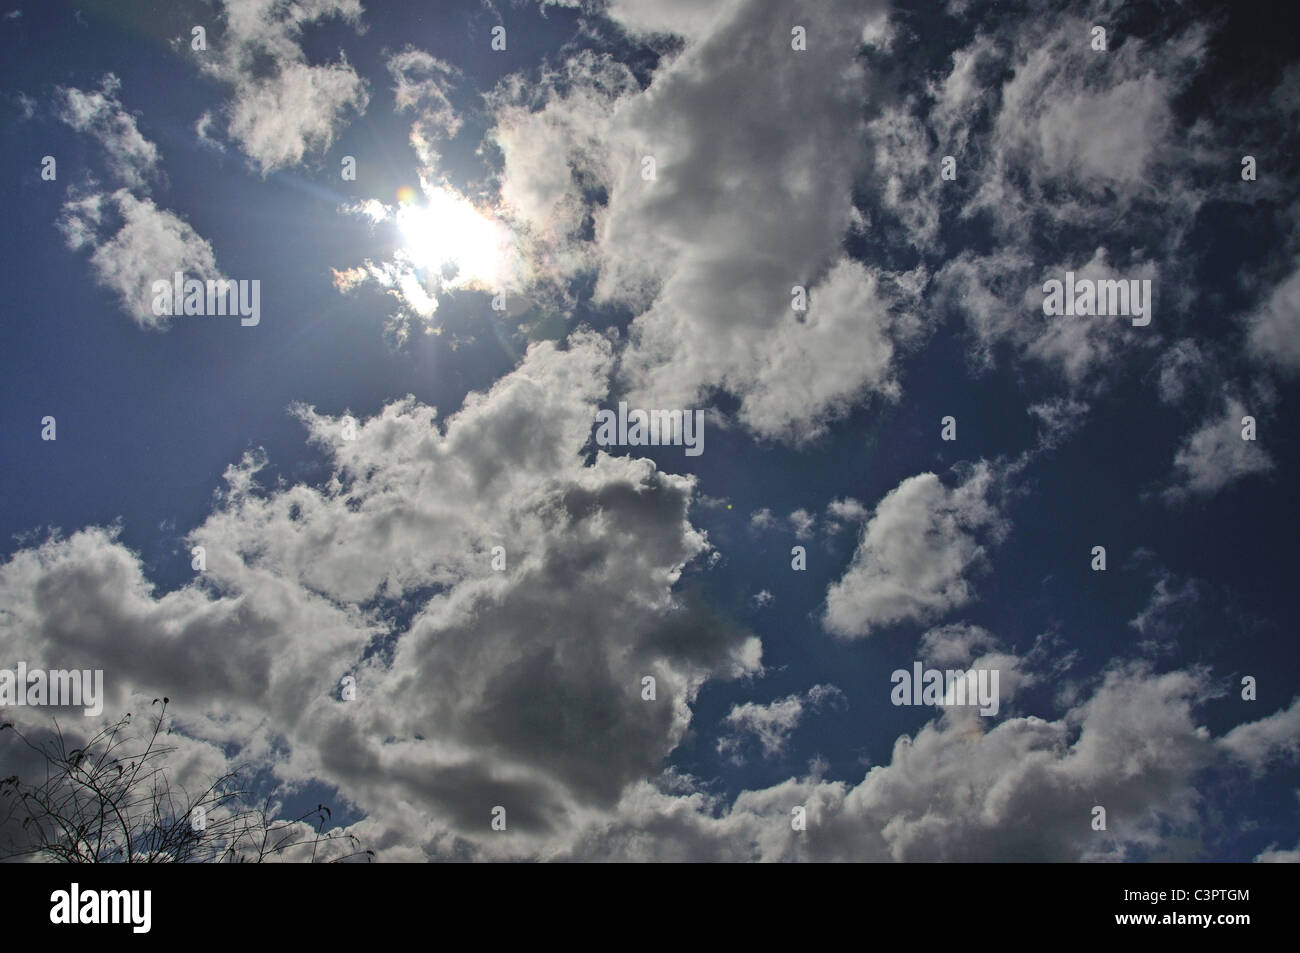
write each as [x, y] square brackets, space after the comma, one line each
[1166, 597]
[1023, 789]
[958, 642]
[709, 262]
[687, 18]
[553, 134]
[134, 243]
[251, 656]
[202, 127]
[847, 509]
[739, 211]
[802, 522]
[1275, 737]
[915, 553]
[131, 157]
[1054, 143]
[1060, 417]
[808, 372]
[278, 121]
[974, 648]
[840, 513]
[1216, 455]
[1095, 125]
[520, 687]
[1182, 364]
[771, 725]
[1273, 330]
[423, 84]
[283, 108]
[1002, 296]
[1271, 855]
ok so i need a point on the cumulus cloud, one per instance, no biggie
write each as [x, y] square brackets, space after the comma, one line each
[132, 158]
[522, 688]
[915, 553]
[134, 243]
[1057, 147]
[553, 134]
[771, 725]
[810, 371]
[283, 108]
[235, 658]
[1273, 330]
[956, 643]
[1275, 737]
[841, 513]
[799, 521]
[1069, 126]
[1024, 790]
[962, 646]
[711, 266]
[519, 687]
[521, 683]
[802, 522]
[738, 212]
[1215, 455]
[1271, 855]
[685, 18]
[276, 122]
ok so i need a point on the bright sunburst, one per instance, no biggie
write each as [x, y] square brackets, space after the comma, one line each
[447, 234]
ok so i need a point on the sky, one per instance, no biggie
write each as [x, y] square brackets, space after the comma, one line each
[827, 231]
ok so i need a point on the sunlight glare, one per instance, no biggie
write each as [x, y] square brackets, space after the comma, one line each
[447, 230]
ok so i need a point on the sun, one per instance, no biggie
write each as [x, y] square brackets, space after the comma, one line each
[450, 237]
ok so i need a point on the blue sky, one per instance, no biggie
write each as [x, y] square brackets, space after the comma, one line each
[520, 172]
